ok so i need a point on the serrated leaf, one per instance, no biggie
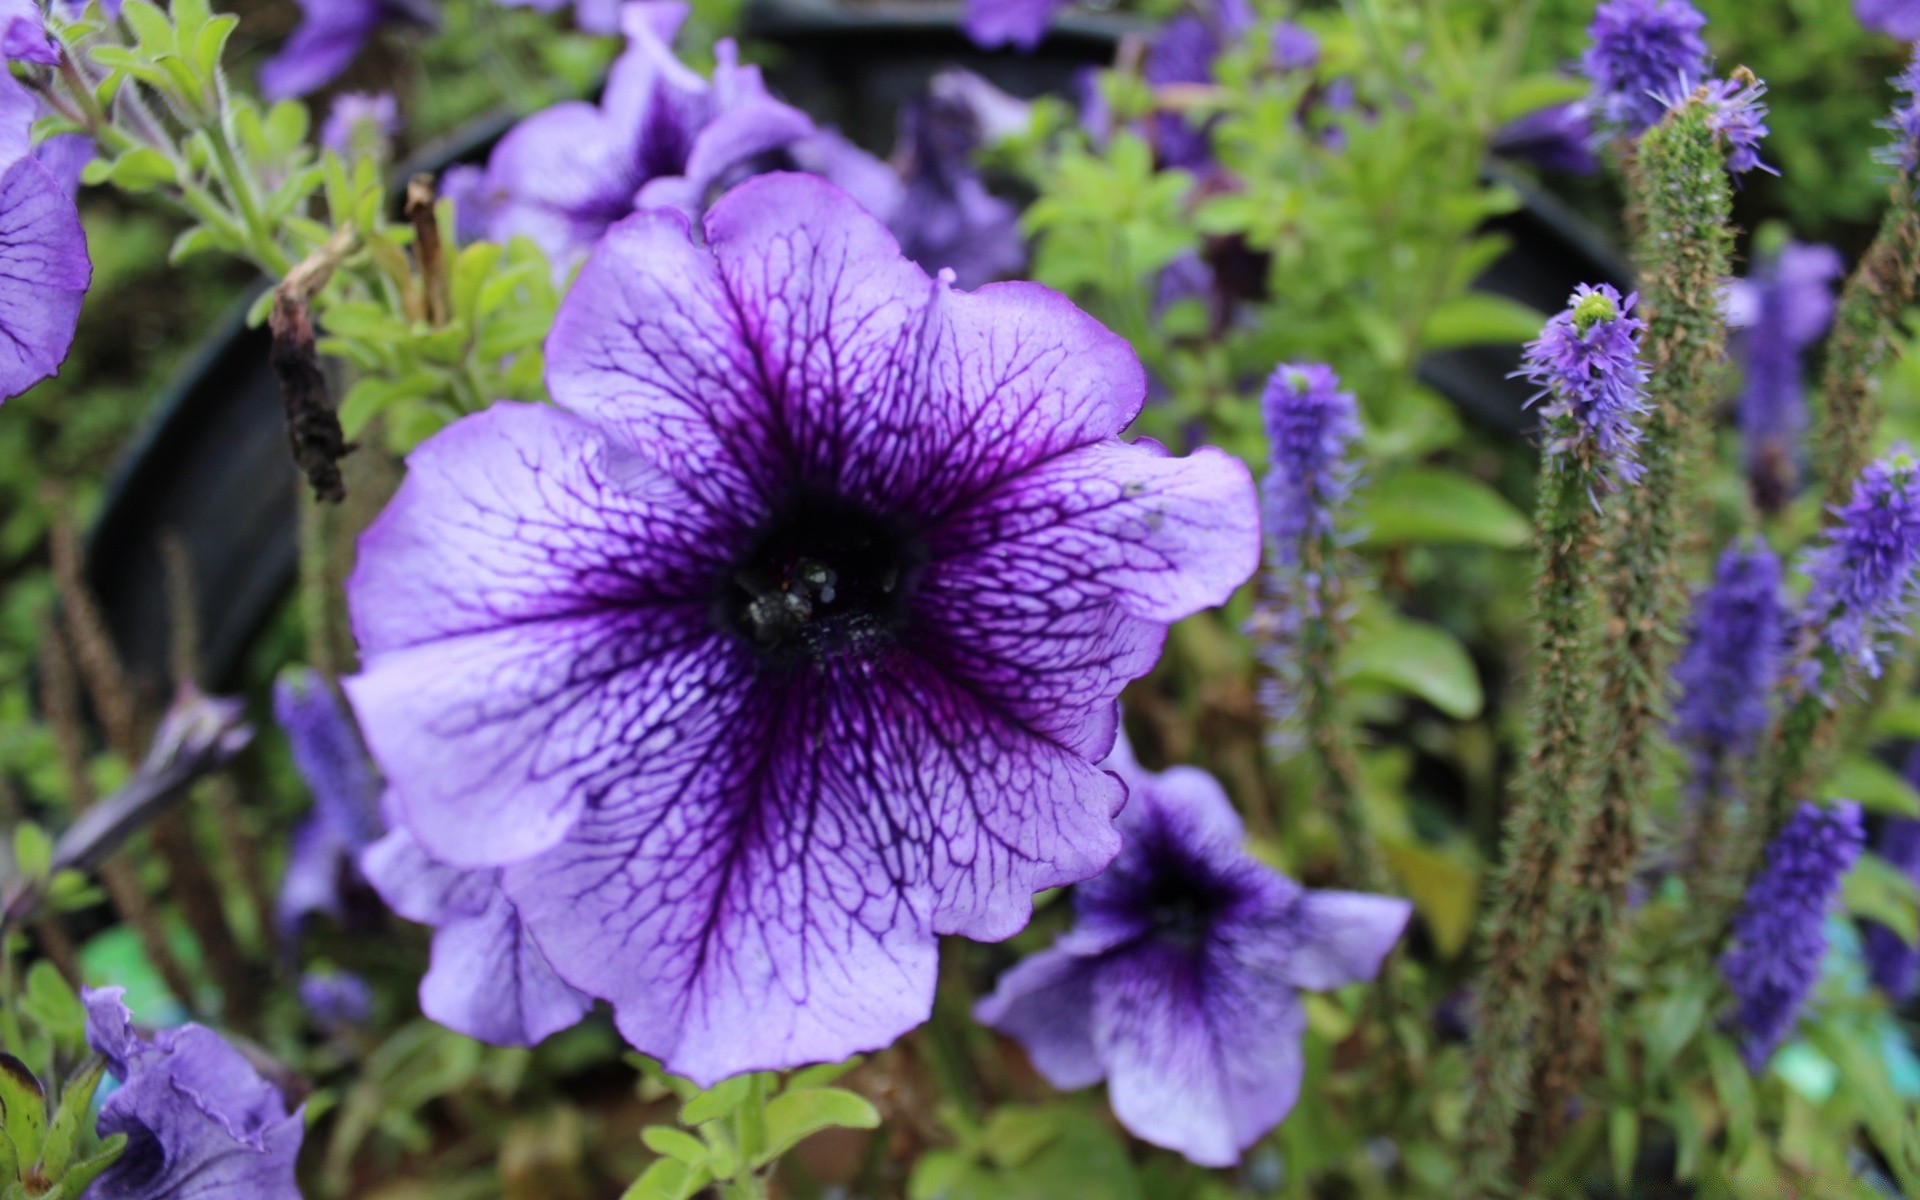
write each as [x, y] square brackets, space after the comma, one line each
[1420, 659]
[798, 1113]
[1435, 506]
[718, 1101]
[676, 1144]
[1480, 319]
[23, 1107]
[1878, 787]
[668, 1180]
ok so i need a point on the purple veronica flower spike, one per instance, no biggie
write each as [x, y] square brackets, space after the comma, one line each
[488, 977]
[1780, 935]
[201, 1123]
[1587, 361]
[330, 36]
[1896, 18]
[1864, 575]
[23, 34]
[360, 125]
[1905, 121]
[1179, 983]
[1732, 660]
[1311, 429]
[44, 269]
[1893, 964]
[1737, 115]
[1640, 51]
[346, 799]
[660, 136]
[1780, 310]
[787, 642]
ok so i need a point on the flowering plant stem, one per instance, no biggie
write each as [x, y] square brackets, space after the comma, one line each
[1551, 806]
[1863, 325]
[1685, 243]
[1329, 738]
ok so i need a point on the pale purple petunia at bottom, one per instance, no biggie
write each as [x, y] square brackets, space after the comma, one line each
[201, 1123]
[788, 641]
[1179, 982]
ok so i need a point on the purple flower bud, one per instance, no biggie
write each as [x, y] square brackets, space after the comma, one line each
[1587, 361]
[1864, 574]
[1780, 310]
[1642, 49]
[1780, 934]
[361, 125]
[1732, 659]
[1311, 428]
[336, 999]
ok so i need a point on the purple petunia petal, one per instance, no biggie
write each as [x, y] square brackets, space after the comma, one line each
[44, 273]
[1043, 1002]
[330, 35]
[23, 34]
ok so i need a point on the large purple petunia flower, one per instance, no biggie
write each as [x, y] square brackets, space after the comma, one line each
[1641, 51]
[788, 641]
[1780, 935]
[346, 799]
[330, 36]
[1179, 983]
[201, 1123]
[1780, 310]
[1867, 570]
[660, 136]
[488, 978]
[44, 269]
[1893, 964]
[1896, 18]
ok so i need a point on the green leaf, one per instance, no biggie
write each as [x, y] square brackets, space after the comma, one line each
[1532, 93]
[51, 1004]
[938, 1175]
[1444, 890]
[200, 239]
[1420, 659]
[1880, 891]
[1735, 1089]
[210, 43]
[1623, 1143]
[821, 1074]
[32, 851]
[1878, 787]
[23, 1107]
[799, 1113]
[718, 1101]
[76, 1107]
[140, 170]
[668, 1180]
[677, 1144]
[82, 1174]
[151, 29]
[1435, 506]
[1480, 319]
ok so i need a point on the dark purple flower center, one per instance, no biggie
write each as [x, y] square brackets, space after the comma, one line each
[826, 578]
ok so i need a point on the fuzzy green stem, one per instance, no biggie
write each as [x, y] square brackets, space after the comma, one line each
[1550, 807]
[1329, 737]
[1863, 328]
[1680, 188]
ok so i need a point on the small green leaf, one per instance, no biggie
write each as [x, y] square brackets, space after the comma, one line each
[1880, 891]
[1623, 1143]
[1531, 93]
[200, 239]
[1878, 787]
[820, 1074]
[1415, 657]
[82, 1174]
[151, 29]
[799, 1113]
[1434, 506]
[668, 1179]
[1735, 1089]
[23, 1107]
[669, 1142]
[717, 1101]
[76, 1107]
[1480, 319]
[32, 851]
[140, 170]
[51, 1004]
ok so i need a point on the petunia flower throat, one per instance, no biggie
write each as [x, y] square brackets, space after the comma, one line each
[789, 640]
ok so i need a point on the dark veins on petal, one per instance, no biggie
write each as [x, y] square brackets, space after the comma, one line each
[826, 578]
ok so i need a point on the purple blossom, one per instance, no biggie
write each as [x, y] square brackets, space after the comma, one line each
[1179, 982]
[488, 977]
[336, 999]
[1312, 427]
[591, 16]
[1735, 643]
[945, 217]
[346, 799]
[1586, 362]
[1905, 121]
[1864, 574]
[1780, 935]
[330, 36]
[1779, 311]
[361, 125]
[1019, 23]
[1556, 138]
[201, 1123]
[1893, 964]
[788, 640]
[1896, 18]
[1184, 51]
[1736, 114]
[1640, 51]
[1293, 47]
[44, 269]
[23, 34]
[660, 136]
